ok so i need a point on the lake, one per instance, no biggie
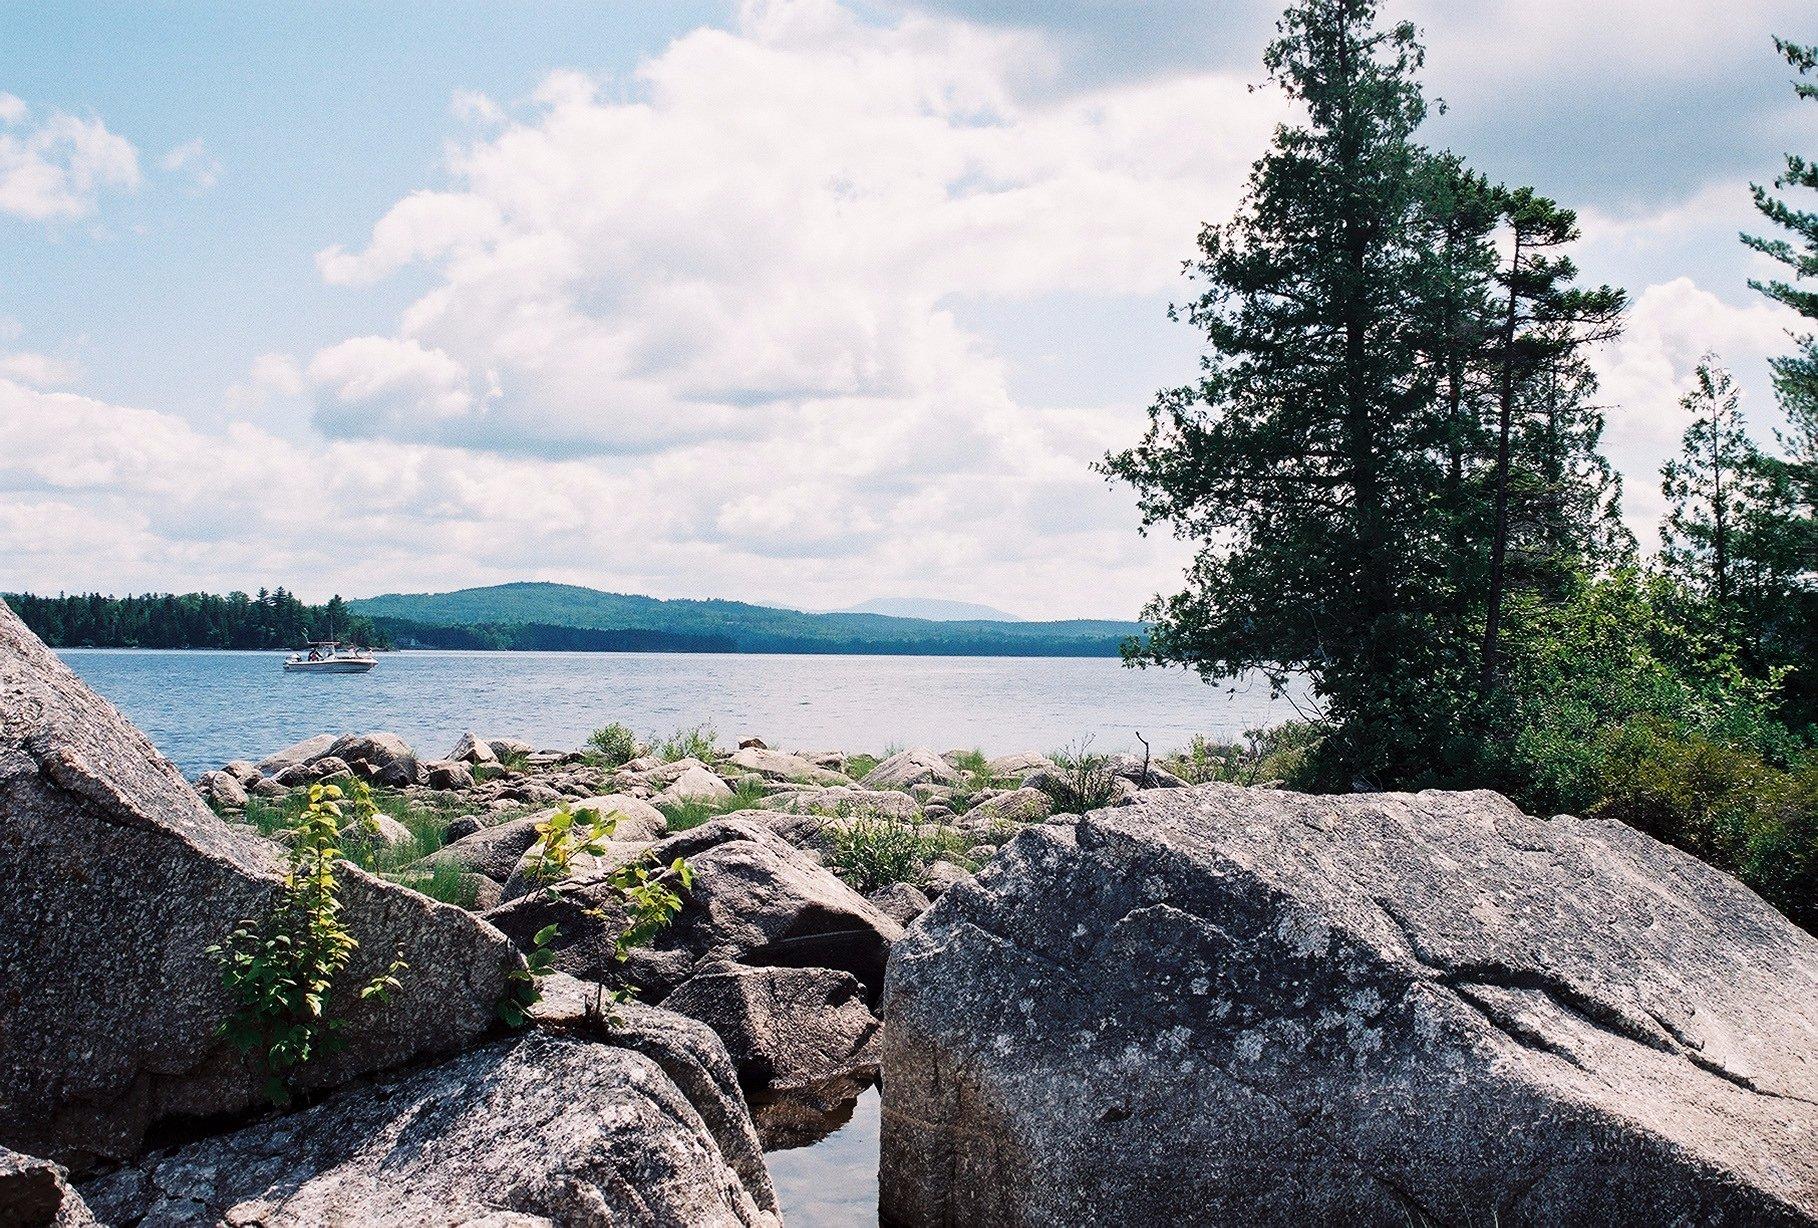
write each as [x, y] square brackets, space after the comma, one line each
[203, 708]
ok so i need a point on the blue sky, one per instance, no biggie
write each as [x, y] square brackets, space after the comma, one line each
[786, 301]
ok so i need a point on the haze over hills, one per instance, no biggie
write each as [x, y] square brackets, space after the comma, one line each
[932, 609]
[739, 626]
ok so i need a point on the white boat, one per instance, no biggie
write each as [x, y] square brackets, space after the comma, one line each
[328, 657]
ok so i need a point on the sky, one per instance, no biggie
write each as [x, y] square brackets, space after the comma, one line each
[799, 302]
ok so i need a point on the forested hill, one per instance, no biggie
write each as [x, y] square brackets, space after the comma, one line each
[749, 628]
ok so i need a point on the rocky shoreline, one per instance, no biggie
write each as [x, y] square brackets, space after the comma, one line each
[1092, 991]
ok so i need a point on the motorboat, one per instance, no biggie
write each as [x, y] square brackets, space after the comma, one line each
[328, 657]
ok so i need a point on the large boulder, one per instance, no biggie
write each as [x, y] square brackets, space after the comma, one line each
[847, 801]
[1220, 1005]
[755, 899]
[776, 765]
[543, 1129]
[306, 751]
[451, 775]
[472, 748]
[224, 790]
[697, 784]
[383, 758]
[909, 768]
[115, 880]
[785, 1028]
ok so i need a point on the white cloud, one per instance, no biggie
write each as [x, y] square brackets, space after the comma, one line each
[729, 283]
[39, 370]
[57, 168]
[192, 160]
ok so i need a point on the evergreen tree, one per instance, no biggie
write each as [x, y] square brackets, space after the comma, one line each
[1546, 322]
[1306, 459]
[1714, 491]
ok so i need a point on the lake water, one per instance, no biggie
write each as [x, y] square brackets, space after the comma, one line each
[203, 708]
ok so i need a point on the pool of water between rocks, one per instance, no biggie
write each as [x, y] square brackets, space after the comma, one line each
[825, 1172]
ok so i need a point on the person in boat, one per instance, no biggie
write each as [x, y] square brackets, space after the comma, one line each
[315, 654]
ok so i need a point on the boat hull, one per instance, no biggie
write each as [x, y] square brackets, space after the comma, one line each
[328, 667]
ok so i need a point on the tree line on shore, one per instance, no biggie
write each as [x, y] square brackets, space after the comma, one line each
[1391, 462]
[271, 619]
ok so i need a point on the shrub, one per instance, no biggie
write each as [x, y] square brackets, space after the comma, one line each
[1722, 803]
[871, 852]
[641, 892]
[693, 742]
[1084, 781]
[859, 766]
[684, 815]
[281, 970]
[615, 743]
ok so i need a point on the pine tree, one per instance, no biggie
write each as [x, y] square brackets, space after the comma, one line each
[1306, 459]
[1546, 321]
[1714, 491]
[1796, 375]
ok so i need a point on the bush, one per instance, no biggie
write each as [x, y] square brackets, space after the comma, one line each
[1721, 803]
[684, 815]
[694, 742]
[871, 852]
[615, 743]
[1280, 752]
[1084, 781]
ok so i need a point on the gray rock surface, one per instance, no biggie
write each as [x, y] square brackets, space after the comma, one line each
[1020, 764]
[36, 1193]
[901, 902]
[448, 774]
[912, 767]
[300, 752]
[114, 881]
[785, 1028]
[755, 900]
[222, 789]
[1016, 806]
[941, 877]
[472, 748]
[491, 851]
[1219, 1005]
[845, 800]
[383, 758]
[542, 1129]
[776, 765]
[697, 784]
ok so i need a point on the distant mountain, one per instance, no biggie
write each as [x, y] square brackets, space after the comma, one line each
[748, 628]
[931, 609]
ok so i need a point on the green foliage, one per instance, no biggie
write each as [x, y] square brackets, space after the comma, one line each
[281, 970]
[426, 821]
[522, 991]
[691, 742]
[1721, 802]
[615, 743]
[642, 896]
[859, 766]
[1278, 753]
[683, 815]
[1085, 781]
[514, 761]
[871, 852]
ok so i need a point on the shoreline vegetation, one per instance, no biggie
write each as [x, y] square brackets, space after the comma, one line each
[538, 617]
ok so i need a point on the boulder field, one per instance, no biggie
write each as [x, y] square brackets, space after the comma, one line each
[1224, 1005]
[1202, 1004]
[115, 880]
